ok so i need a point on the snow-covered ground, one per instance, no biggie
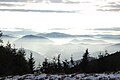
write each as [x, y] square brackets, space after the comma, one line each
[103, 76]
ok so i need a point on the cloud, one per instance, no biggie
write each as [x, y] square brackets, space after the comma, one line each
[13, 0]
[10, 4]
[17, 31]
[52, 1]
[64, 1]
[115, 37]
[59, 29]
[71, 2]
[56, 1]
[22, 29]
[30, 10]
[115, 10]
[108, 29]
[110, 6]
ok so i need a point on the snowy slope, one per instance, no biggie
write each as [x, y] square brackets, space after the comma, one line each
[103, 76]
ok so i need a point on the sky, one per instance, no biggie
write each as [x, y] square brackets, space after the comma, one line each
[68, 16]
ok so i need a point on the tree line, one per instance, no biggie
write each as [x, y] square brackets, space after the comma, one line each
[13, 62]
[104, 63]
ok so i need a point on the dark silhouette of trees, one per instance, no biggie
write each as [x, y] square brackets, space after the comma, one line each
[72, 65]
[84, 61]
[71, 60]
[31, 63]
[59, 65]
[21, 64]
[38, 69]
[66, 66]
[105, 63]
[100, 55]
[45, 66]
[0, 38]
[106, 53]
[54, 65]
[12, 61]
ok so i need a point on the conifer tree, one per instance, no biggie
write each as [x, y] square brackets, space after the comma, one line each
[59, 64]
[85, 61]
[38, 69]
[106, 53]
[100, 55]
[45, 66]
[1, 41]
[71, 60]
[31, 63]
[66, 66]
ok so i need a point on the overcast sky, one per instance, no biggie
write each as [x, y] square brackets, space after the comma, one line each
[69, 16]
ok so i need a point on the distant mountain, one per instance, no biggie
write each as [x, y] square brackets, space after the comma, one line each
[23, 32]
[92, 44]
[88, 41]
[93, 41]
[113, 48]
[69, 49]
[33, 38]
[55, 35]
[7, 36]
[109, 36]
[75, 41]
[61, 35]
[34, 43]
[19, 33]
[95, 54]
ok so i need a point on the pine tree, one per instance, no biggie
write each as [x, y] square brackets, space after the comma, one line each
[45, 64]
[106, 53]
[66, 66]
[59, 64]
[1, 41]
[85, 61]
[71, 60]
[54, 65]
[21, 52]
[100, 55]
[31, 63]
[72, 65]
[38, 69]
[12, 61]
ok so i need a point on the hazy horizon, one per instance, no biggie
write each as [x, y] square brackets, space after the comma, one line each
[97, 21]
[66, 16]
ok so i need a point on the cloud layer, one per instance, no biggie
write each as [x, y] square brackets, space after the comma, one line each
[13, 0]
[59, 29]
[53, 1]
[108, 29]
[32, 10]
[10, 4]
[110, 6]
